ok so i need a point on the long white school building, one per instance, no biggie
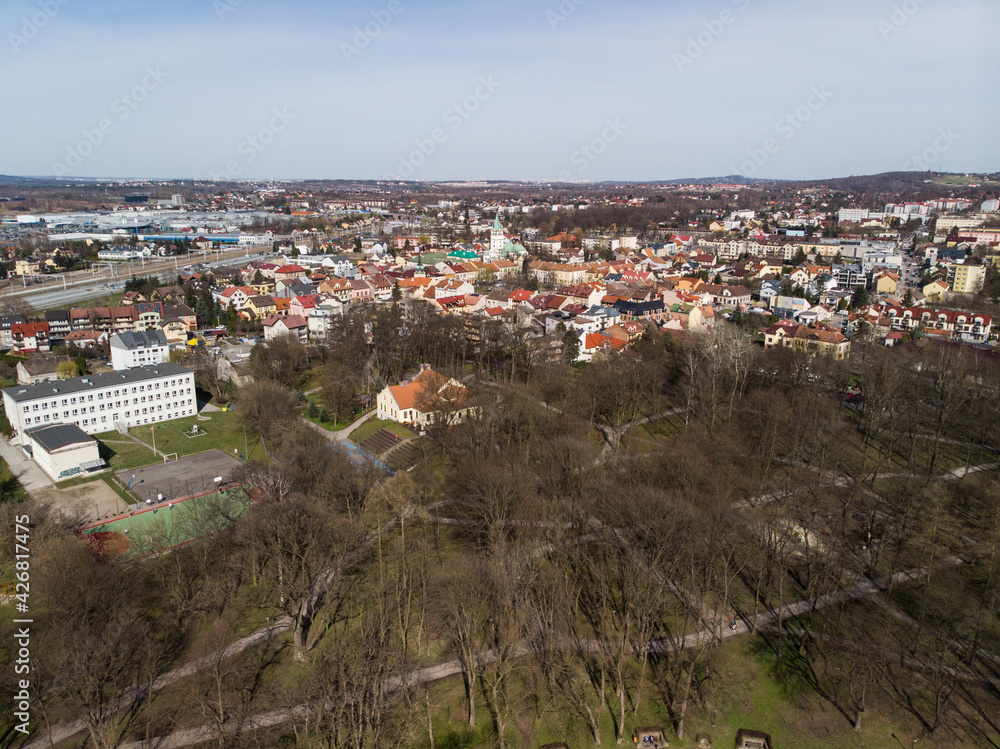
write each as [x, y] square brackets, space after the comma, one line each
[99, 403]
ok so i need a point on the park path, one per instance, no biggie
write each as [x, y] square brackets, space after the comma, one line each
[64, 731]
[343, 434]
[864, 587]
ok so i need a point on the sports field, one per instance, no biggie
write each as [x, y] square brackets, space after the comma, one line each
[177, 479]
[165, 526]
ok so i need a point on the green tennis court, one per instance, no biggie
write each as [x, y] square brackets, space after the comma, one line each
[166, 526]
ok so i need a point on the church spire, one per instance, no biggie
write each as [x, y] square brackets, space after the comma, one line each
[497, 226]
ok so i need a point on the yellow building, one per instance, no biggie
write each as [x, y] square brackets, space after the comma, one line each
[27, 267]
[967, 279]
[887, 283]
[935, 291]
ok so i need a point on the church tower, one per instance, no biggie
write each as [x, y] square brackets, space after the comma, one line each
[498, 240]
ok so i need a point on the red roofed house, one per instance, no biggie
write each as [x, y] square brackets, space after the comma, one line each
[302, 305]
[286, 272]
[599, 344]
[282, 306]
[813, 339]
[429, 398]
[30, 336]
[276, 326]
[237, 296]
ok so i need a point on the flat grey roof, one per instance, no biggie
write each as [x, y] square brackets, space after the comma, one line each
[57, 436]
[75, 385]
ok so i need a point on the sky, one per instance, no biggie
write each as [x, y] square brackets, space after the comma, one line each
[572, 90]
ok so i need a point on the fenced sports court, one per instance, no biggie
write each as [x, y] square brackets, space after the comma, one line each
[165, 526]
[174, 480]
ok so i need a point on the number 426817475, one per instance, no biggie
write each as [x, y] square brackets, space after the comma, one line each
[22, 556]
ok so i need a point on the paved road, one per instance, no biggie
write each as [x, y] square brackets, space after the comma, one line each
[32, 478]
[343, 434]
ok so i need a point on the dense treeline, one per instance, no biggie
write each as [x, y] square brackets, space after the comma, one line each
[577, 560]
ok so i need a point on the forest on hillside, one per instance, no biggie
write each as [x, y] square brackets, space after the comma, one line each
[697, 534]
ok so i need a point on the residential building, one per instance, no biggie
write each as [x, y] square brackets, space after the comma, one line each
[964, 327]
[27, 267]
[276, 326]
[733, 297]
[236, 296]
[89, 339]
[946, 223]
[849, 276]
[60, 325]
[133, 349]
[99, 403]
[427, 399]
[40, 369]
[259, 307]
[30, 336]
[935, 290]
[814, 339]
[6, 325]
[966, 279]
[887, 283]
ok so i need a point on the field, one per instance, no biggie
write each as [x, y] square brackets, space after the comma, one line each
[222, 430]
[164, 527]
[372, 426]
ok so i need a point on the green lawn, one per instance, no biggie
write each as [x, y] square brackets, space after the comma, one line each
[223, 430]
[329, 426]
[10, 488]
[111, 300]
[371, 426]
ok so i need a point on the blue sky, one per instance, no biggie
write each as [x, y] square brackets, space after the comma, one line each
[426, 89]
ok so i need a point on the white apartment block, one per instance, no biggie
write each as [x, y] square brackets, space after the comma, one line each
[946, 223]
[99, 403]
[133, 349]
[125, 254]
[853, 215]
[907, 209]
